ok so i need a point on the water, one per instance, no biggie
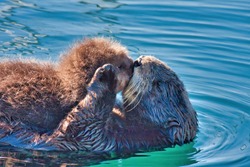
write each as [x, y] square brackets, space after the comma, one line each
[206, 42]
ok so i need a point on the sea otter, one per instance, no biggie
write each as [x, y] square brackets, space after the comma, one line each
[41, 94]
[156, 96]
[156, 114]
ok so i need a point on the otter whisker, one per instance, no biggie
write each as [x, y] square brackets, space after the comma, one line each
[129, 89]
[131, 93]
[138, 94]
[132, 86]
[136, 104]
[133, 83]
[132, 101]
[133, 89]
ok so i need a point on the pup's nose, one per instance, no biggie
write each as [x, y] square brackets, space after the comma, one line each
[137, 63]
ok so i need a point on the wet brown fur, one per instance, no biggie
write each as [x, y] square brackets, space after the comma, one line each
[163, 117]
[90, 126]
[80, 63]
[41, 94]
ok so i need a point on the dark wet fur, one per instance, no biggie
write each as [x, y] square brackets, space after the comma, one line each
[164, 117]
[90, 126]
[164, 102]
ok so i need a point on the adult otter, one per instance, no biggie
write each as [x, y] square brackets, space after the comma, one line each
[40, 95]
[156, 96]
[159, 114]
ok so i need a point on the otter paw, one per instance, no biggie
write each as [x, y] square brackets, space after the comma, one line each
[107, 74]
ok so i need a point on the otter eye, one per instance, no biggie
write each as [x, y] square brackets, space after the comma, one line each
[121, 66]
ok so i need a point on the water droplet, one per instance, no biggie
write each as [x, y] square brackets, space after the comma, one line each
[243, 147]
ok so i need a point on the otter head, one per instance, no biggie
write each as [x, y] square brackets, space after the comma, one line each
[107, 51]
[77, 67]
[156, 95]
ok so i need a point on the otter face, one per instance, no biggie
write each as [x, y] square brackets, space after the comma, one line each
[112, 52]
[157, 97]
[124, 68]
[148, 82]
[156, 94]
[81, 61]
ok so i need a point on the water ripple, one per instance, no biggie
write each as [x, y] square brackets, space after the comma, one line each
[206, 42]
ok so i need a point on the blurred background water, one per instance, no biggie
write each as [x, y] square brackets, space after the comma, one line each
[207, 43]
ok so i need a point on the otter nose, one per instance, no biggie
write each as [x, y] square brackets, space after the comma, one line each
[137, 63]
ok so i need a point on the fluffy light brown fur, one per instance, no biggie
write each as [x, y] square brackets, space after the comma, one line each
[83, 59]
[41, 94]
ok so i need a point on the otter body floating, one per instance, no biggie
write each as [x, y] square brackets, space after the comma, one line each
[156, 114]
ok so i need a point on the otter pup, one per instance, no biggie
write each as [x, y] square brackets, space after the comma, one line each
[82, 129]
[157, 113]
[41, 95]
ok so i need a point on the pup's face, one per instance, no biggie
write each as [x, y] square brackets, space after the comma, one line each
[94, 53]
[124, 68]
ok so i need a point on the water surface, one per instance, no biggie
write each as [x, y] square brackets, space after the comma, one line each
[207, 43]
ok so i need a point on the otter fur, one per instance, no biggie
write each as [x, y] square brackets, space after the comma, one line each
[41, 94]
[155, 96]
[156, 113]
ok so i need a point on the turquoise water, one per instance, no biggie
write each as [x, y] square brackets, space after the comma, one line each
[207, 43]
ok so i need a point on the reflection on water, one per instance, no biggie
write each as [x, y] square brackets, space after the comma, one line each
[178, 156]
[12, 157]
[174, 157]
[206, 42]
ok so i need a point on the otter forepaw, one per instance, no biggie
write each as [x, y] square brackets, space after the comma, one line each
[107, 75]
